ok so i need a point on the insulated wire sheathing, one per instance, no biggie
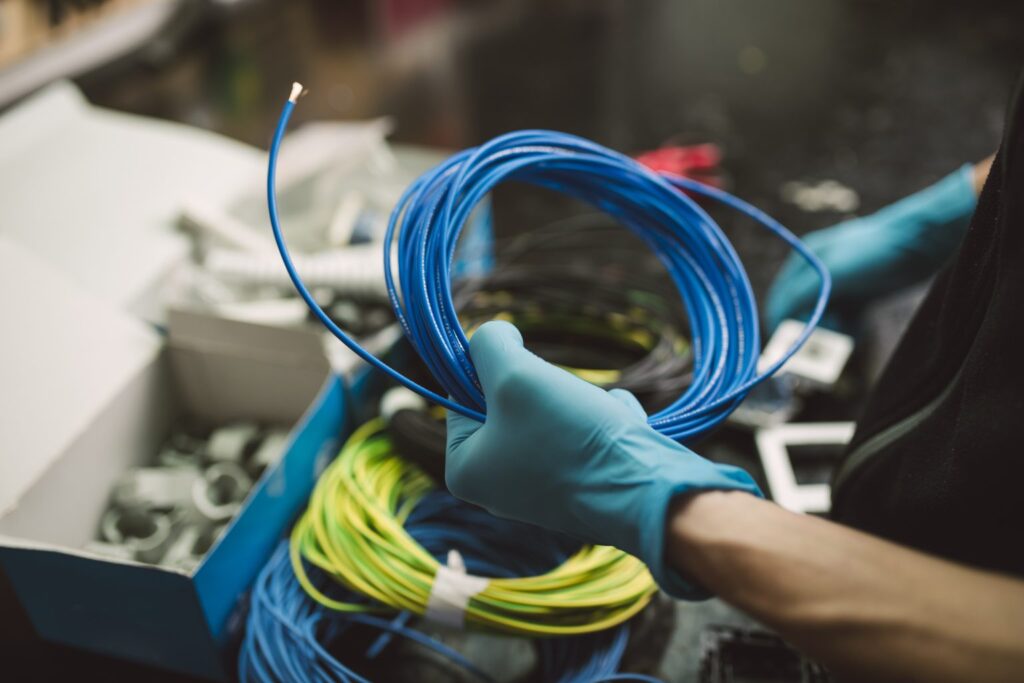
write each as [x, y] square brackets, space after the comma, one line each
[698, 257]
[610, 333]
[290, 638]
[354, 531]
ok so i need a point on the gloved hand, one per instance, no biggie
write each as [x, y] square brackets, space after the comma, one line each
[875, 255]
[566, 455]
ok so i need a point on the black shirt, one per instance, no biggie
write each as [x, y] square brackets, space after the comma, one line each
[937, 461]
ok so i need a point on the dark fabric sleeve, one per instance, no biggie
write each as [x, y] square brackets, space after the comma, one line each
[936, 461]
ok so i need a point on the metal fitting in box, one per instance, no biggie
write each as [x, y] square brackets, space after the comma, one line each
[170, 457]
[232, 442]
[187, 550]
[146, 533]
[181, 450]
[217, 496]
[269, 451]
[155, 488]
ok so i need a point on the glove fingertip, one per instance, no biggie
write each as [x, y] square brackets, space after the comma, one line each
[495, 334]
[491, 348]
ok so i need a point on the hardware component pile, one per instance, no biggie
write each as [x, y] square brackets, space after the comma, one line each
[171, 512]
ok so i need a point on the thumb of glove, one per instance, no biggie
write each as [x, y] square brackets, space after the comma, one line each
[495, 347]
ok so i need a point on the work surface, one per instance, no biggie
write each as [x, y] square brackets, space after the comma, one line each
[880, 97]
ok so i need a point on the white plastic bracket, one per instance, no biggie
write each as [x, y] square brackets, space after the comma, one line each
[773, 448]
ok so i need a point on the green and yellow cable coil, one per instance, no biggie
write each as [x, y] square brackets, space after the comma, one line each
[353, 531]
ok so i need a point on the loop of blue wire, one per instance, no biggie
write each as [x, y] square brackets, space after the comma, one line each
[698, 257]
[291, 637]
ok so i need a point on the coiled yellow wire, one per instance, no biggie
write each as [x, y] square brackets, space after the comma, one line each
[353, 531]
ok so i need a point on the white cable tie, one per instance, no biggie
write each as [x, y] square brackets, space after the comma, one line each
[452, 590]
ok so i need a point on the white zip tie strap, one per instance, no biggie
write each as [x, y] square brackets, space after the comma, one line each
[452, 590]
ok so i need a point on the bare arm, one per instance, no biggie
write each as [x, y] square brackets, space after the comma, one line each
[981, 170]
[866, 608]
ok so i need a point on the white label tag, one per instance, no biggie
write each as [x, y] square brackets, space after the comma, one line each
[452, 590]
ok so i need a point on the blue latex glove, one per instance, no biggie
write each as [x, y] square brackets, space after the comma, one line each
[563, 454]
[876, 255]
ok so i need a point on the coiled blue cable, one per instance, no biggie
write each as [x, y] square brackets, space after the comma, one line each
[698, 257]
[290, 637]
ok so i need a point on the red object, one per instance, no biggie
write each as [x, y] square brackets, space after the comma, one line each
[697, 162]
[401, 16]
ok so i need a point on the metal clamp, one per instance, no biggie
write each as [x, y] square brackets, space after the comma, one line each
[187, 550]
[146, 533]
[232, 442]
[155, 488]
[172, 514]
[218, 495]
[269, 451]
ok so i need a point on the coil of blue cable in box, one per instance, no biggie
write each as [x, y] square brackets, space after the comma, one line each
[699, 259]
[290, 637]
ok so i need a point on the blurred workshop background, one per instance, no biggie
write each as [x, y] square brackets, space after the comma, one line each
[791, 91]
[812, 110]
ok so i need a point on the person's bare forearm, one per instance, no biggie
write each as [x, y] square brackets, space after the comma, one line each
[981, 171]
[866, 608]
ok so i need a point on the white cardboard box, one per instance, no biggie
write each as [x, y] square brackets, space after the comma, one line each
[97, 193]
[88, 392]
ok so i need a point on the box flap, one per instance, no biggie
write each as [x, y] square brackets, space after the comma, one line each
[228, 369]
[66, 355]
[97, 193]
[155, 622]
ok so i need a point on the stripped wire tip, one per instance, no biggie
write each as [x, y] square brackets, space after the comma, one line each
[297, 91]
